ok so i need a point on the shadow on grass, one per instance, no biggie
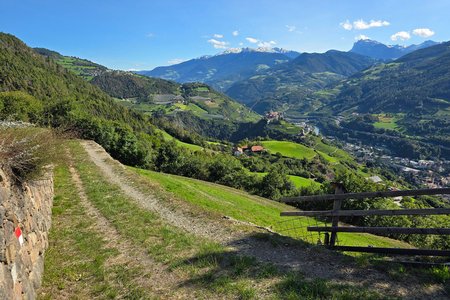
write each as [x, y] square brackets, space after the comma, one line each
[285, 268]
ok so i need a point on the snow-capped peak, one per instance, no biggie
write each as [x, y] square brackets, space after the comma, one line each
[259, 49]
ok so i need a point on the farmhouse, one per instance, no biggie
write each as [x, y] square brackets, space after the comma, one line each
[237, 151]
[273, 115]
[256, 149]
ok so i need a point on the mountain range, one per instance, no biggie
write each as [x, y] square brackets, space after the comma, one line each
[381, 51]
[276, 79]
[222, 70]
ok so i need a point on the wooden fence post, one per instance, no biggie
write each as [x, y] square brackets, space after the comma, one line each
[339, 189]
[340, 195]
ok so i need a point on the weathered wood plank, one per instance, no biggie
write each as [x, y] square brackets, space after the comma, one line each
[380, 230]
[377, 212]
[335, 220]
[396, 251]
[440, 191]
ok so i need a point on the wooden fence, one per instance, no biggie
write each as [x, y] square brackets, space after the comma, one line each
[336, 212]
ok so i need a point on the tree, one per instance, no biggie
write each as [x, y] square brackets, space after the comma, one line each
[20, 106]
[276, 184]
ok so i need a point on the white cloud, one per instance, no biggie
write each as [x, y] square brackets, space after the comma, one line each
[361, 24]
[218, 44]
[423, 32]
[362, 37]
[150, 35]
[291, 28]
[241, 44]
[175, 61]
[252, 40]
[346, 25]
[266, 44]
[401, 35]
[218, 36]
[235, 33]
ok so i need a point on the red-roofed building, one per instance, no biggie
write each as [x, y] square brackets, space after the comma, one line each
[257, 149]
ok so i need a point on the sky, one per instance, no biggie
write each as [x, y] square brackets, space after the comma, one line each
[140, 35]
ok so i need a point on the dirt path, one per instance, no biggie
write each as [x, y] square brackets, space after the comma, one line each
[158, 279]
[311, 261]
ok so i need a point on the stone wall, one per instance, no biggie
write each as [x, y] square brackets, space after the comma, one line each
[26, 206]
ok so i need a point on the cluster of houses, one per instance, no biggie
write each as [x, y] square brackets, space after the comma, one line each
[237, 151]
[273, 116]
[432, 174]
[305, 128]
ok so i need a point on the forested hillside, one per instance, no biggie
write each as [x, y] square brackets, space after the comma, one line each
[294, 86]
[36, 89]
[417, 82]
[414, 92]
[82, 67]
[162, 97]
[120, 84]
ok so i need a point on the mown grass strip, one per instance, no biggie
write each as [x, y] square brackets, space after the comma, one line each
[76, 262]
[163, 242]
[289, 149]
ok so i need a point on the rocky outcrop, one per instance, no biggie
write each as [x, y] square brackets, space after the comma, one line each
[25, 219]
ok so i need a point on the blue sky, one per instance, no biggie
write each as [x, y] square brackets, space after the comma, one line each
[141, 34]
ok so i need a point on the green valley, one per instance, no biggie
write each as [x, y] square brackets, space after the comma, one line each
[174, 190]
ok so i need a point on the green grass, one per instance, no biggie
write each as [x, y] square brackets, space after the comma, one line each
[242, 206]
[192, 147]
[285, 127]
[202, 89]
[183, 252]
[387, 122]
[196, 109]
[76, 261]
[289, 149]
[303, 182]
[331, 153]
[298, 181]
[328, 157]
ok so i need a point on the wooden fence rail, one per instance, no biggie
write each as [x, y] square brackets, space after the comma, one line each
[375, 212]
[336, 212]
[382, 230]
[420, 192]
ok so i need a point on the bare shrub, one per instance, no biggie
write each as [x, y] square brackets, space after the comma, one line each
[24, 152]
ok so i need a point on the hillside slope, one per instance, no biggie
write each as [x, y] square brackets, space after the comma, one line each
[417, 82]
[149, 94]
[414, 91]
[288, 87]
[35, 88]
[81, 67]
[184, 247]
[154, 95]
